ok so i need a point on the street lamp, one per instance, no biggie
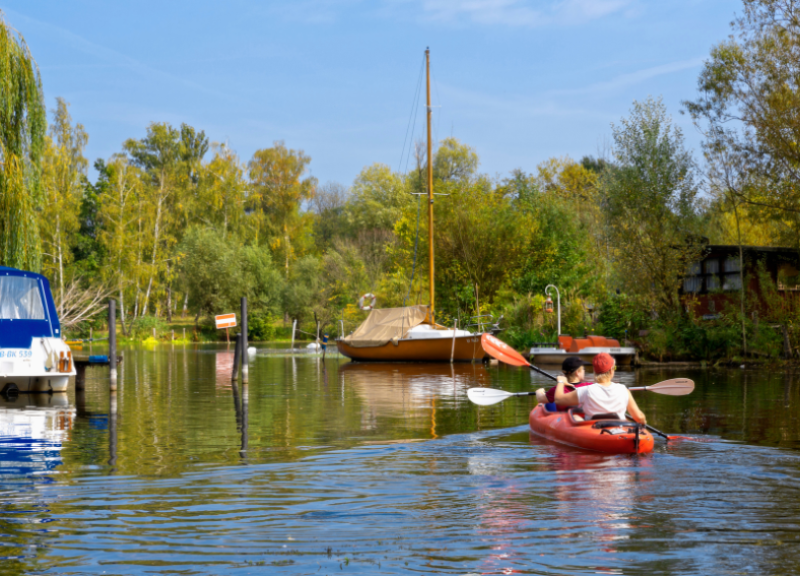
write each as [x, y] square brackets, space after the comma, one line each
[550, 301]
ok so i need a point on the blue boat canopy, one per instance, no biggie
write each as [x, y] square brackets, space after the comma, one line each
[27, 310]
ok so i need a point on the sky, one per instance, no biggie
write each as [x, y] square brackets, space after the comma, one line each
[520, 81]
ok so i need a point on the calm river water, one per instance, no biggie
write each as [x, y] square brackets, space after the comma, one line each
[342, 468]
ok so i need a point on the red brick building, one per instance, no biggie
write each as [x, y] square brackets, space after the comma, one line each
[715, 280]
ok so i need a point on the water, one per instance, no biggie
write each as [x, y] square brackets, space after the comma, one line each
[338, 468]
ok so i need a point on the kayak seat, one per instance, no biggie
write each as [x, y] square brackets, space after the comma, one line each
[612, 423]
[605, 416]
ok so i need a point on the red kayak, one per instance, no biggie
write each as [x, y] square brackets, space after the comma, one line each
[600, 434]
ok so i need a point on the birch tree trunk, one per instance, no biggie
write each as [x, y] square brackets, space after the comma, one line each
[155, 253]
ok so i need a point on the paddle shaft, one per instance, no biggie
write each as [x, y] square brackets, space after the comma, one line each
[542, 372]
[654, 430]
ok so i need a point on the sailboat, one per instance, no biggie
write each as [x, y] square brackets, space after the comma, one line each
[410, 334]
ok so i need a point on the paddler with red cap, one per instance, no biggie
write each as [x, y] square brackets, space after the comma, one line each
[604, 396]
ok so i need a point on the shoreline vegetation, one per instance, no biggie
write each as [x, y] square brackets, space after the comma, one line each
[177, 228]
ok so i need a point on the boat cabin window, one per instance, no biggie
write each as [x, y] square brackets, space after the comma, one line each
[20, 299]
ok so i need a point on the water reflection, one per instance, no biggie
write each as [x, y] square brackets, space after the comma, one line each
[33, 430]
[387, 468]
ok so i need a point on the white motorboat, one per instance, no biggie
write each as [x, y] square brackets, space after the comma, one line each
[33, 357]
[586, 348]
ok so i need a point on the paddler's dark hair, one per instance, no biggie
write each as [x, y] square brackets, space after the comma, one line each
[571, 364]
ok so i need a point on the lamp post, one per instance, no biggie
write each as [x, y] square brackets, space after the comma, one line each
[558, 303]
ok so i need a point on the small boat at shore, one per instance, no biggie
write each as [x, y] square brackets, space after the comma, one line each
[33, 357]
[410, 333]
[585, 348]
[407, 335]
[610, 435]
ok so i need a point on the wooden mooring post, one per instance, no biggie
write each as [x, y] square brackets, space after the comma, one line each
[112, 344]
[245, 358]
[237, 354]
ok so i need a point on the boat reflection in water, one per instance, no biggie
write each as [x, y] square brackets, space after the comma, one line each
[33, 429]
[412, 391]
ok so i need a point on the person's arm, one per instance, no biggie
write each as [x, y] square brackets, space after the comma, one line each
[565, 398]
[633, 410]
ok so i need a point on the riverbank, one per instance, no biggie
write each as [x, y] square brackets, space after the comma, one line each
[180, 331]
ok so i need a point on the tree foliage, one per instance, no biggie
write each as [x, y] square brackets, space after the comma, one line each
[22, 129]
[749, 94]
[650, 202]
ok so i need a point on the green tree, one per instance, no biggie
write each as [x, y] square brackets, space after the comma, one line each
[454, 161]
[329, 205]
[225, 193]
[158, 155]
[211, 270]
[63, 174]
[480, 238]
[377, 199]
[276, 177]
[747, 108]
[650, 202]
[119, 188]
[22, 129]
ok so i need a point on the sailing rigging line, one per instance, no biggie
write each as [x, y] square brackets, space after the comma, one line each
[412, 119]
[413, 125]
[414, 265]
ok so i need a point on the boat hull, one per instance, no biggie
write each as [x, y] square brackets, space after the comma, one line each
[462, 349]
[560, 427]
[37, 368]
[48, 383]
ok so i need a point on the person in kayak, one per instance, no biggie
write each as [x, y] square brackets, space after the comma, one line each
[574, 374]
[604, 398]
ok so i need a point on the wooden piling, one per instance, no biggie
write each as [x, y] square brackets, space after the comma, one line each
[245, 418]
[112, 344]
[112, 429]
[80, 376]
[245, 356]
[237, 353]
[453, 347]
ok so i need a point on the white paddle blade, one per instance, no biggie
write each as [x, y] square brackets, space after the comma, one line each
[674, 387]
[487, 396]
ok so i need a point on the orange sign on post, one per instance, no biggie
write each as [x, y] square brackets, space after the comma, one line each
[226, 321]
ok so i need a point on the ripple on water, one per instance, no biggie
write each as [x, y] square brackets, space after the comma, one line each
[349, 472]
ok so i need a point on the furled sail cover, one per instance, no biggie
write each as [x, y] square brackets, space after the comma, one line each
[386, 324]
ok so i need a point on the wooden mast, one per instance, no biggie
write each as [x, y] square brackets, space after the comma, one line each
[430, 181]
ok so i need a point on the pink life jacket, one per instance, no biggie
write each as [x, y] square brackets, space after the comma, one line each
[551, 394]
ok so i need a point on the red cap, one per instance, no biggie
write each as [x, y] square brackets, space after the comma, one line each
[602, 363]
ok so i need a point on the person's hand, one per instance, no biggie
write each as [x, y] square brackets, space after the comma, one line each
[541, 396]
[562, 379]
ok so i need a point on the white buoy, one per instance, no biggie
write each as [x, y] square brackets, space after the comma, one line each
[251, 350]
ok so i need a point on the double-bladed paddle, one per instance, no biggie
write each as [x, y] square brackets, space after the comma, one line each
[489, 396]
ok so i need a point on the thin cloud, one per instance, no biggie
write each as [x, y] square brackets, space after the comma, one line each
[112, 57]
[518, 13]
[624, 80]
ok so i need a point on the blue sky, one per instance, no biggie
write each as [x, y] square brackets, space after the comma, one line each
[519, 80]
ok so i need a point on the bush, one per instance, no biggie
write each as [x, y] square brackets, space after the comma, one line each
[261, 327]
[143, 326]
